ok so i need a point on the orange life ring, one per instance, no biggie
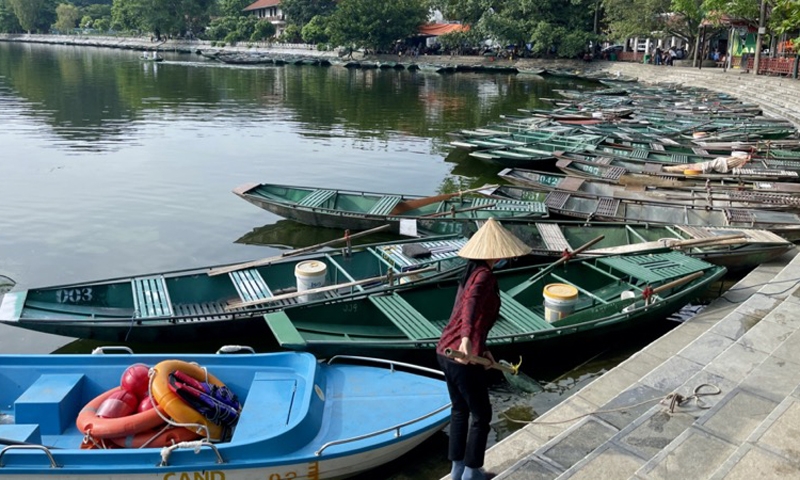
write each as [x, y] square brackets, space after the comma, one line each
[174, 405]
[156, 438]
[98, 427]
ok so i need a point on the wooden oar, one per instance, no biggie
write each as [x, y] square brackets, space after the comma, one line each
[237, 304]
[711, 241]
[407, 205]
[680, 281]
[292, 253]
[544, 271]
[510, 371]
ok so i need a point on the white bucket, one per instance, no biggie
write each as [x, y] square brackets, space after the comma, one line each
[559, 301]
[310, 274]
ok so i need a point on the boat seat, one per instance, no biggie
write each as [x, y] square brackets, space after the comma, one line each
[268, 407]
[151, 298]
[520, 315]
[250, 285]
[316, 198]
[405, 316]
[553, 237]
[52, 401]
[385, 205]
[26, 433]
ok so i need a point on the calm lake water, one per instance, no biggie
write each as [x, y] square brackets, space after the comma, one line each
[113, 167]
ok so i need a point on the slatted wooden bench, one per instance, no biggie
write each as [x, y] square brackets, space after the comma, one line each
[316, 198]
[385, 205]
[520, 315]
[250, 285]
[405, 316]
[151, 298]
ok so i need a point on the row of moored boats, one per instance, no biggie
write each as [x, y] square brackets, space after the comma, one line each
[634, 200]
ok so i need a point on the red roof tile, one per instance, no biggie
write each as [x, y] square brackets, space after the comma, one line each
[262, 4]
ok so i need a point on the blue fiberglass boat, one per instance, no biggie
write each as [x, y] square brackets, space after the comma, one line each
[300, 418]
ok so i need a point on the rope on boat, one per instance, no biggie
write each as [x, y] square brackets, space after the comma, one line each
[673, 400]
[196, 426]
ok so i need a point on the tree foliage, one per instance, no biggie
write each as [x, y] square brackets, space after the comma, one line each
[8, 19]
[34, 15]
[67, 16]
[376, 25]
[173, 17]
[301, 12]
[654, 18]
[316, 30]
[232, 8]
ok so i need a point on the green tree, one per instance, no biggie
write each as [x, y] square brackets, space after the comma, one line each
[233, 8]
[376, 25]
[262, 30]
[8, 20]
[67, 17]
[655, 18]
[785, 18]
[173, 17]
[34, 15]
[316, 30]
[300, 12]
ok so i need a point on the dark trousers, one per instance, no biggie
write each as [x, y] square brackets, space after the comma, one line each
[469, 393]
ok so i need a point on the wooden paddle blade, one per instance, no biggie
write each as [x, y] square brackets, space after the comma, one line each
[415, 203]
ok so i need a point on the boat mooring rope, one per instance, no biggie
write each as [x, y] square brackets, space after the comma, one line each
[673, 400]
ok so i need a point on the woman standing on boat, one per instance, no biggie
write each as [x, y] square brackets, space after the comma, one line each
[475, 312]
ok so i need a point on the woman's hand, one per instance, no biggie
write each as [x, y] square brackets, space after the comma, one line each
[489, 355]
[466, 349]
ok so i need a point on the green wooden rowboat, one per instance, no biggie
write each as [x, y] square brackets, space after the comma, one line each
[538, 152]
[411, 320]
[553, 182]
[222, 303]
[733, 248]
[603, 208]
[627, 171]
[352, 210]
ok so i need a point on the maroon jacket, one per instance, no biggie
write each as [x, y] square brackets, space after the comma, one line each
[474, 313]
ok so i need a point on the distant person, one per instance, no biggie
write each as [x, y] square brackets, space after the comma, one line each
[476, 308]
[657, 58]
[671, 54]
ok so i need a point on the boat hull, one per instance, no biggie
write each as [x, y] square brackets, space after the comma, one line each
[300, 419]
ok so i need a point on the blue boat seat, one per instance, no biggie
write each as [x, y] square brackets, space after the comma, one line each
[52, 401]
[268, 407]
[520, 315]
[385, 205]
[316, 198]
[250, 285]
[405, 316]
[151, 298]
[17, 432]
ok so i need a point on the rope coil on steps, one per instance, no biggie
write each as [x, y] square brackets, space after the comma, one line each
[673, 400]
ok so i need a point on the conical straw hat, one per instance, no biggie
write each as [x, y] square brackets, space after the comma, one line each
[492, 241]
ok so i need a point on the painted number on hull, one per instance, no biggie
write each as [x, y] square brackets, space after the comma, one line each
[209, 475]
[74, 295]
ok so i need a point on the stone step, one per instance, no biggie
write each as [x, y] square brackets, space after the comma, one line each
[618, 438]
[764, 355]
[766, 453]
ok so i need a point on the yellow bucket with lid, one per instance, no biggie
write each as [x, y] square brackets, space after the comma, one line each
[559, 301]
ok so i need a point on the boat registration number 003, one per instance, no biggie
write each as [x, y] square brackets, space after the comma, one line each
[74, 295]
